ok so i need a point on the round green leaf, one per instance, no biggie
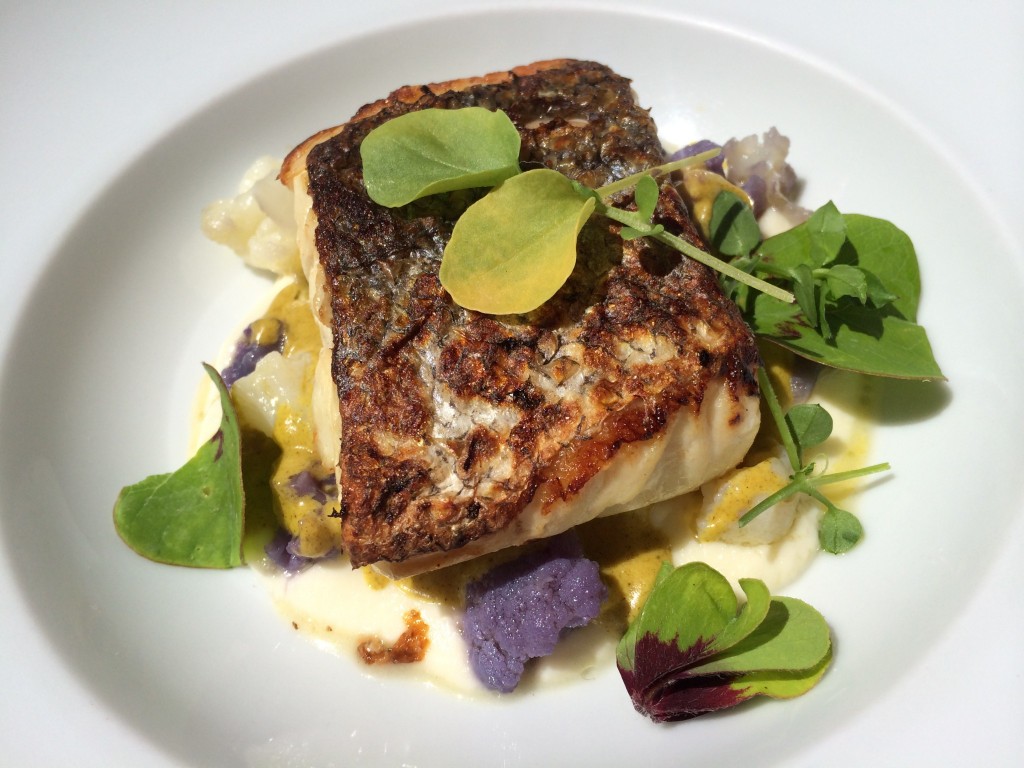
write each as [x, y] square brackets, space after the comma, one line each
[734, 230]
[514, 248]
[438, 150]
[811, 424]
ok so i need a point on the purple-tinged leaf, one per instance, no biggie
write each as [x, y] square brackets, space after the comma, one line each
[687, 653]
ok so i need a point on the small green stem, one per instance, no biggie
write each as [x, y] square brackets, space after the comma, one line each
[632, 219]
[775, 408]
[791, 489]
[801, 483]
[659, 170]
[838, 477]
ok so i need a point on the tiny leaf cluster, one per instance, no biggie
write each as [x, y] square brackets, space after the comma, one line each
[857, 286]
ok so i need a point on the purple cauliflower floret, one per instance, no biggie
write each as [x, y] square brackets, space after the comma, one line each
[714, 164]
[255, 344]
[283, 551]
[320, 489]
[518, 610]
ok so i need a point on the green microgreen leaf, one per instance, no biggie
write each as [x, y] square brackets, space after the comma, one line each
[802, 427]
[839, 530]
[810, 424]
[514, 248]
[196, 515]
[646, 196]
[689, 651]
[826, 229]
[734, 229]
[782, 684]
[792, 636]
[880, 338]
[751, 615]
[847, 280]
[438, 150]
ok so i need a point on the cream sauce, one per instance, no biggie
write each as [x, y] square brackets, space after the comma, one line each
[339, 608]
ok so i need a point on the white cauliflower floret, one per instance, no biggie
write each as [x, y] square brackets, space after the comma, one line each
[729, 497]
[257, 222]
[759, 166]
[277, 380]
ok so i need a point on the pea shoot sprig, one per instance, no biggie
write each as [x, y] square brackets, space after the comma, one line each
[515, 247]
[801, 428]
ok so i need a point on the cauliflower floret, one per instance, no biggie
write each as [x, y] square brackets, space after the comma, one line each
[759, 167]
[257, 222]
[276, 381]
[729, 497]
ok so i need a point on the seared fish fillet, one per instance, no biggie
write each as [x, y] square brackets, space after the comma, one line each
[457, 433]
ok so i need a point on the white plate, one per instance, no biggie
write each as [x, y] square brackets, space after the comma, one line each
[167, 666]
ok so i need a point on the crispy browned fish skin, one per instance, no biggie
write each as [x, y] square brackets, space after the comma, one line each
[412, 485]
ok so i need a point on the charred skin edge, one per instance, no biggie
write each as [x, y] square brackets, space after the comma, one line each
[393, 513]
[295, 162]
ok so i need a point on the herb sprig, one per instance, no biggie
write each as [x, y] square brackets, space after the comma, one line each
[857, 286]
[805, 426]
[514, 248]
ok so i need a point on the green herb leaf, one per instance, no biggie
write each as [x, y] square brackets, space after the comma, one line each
[881, 341]
[839, 530]
[438, 150]
[810, 424]
[514, 248]
[752, 614]
[734, 229]
[646, 196]
[865, 342]
[826, 230]
[690, 652]
[792, 636]
[847, 280]
[194, 516]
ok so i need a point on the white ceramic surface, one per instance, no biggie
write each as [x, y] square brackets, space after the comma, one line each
[119, 126]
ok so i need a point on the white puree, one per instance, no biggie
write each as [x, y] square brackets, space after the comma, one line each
[338, 607]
